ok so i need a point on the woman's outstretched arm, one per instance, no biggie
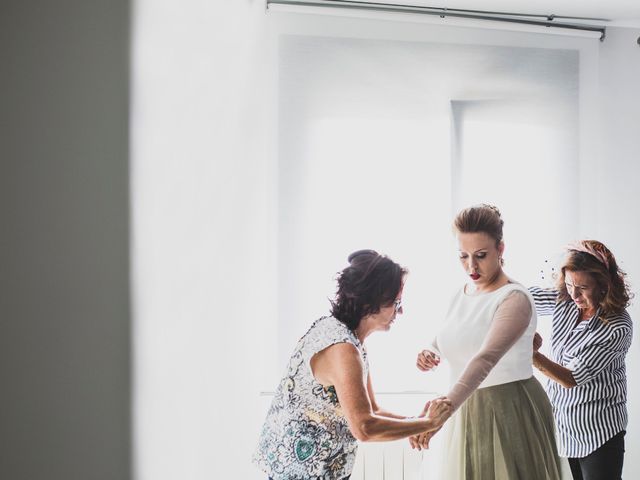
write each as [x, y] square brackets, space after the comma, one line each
[340, 365]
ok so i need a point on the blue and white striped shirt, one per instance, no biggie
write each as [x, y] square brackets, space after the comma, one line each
[595, 410]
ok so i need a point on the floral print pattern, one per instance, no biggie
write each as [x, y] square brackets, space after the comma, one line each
[305, 435]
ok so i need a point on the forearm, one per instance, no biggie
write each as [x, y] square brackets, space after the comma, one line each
[385, 413]
[473, 375]
[377, 428]
[553, 370]
[359, 406]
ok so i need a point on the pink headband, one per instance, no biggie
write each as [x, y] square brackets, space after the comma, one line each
[587, 248]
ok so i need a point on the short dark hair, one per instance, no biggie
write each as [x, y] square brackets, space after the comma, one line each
[370, 282]
[613, 291]
[480, 218]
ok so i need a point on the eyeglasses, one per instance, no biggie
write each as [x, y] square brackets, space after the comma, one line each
[397, 305]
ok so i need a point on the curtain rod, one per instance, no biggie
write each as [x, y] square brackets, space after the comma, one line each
[524, 19]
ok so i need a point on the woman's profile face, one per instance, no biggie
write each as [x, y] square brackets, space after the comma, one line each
[480, 257]
[386, 317]
[582, 288]
[388, 314]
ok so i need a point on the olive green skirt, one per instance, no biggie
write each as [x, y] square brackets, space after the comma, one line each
[503, 432]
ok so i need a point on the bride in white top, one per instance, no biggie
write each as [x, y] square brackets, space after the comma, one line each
[503, 427]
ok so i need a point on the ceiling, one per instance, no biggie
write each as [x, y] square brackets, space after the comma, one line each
[618, 12]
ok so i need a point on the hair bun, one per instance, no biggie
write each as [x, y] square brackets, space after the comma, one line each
[359, 253]
[492, 207]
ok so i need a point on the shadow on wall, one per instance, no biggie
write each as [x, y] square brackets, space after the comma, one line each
[64, 196]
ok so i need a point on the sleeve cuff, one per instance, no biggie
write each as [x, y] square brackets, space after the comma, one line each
[580, 372]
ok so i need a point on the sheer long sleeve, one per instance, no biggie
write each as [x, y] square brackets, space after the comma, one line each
[510, 321]
[434, 346]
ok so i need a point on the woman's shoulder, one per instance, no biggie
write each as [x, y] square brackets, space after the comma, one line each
[517, 296]
[330, 329]
[326, 324]
[543, 291]
[513, 287]
[619, 320]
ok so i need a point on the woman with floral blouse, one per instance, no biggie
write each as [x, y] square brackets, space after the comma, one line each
[325, 401]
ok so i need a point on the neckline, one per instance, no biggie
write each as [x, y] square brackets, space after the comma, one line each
[481, 294]
[586, 321]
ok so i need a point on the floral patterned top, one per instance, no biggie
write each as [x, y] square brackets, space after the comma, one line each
[305, 435]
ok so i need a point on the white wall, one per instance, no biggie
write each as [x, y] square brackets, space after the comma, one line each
[615, 221]
[203, 273]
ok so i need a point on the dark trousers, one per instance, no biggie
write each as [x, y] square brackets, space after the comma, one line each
[605, 463]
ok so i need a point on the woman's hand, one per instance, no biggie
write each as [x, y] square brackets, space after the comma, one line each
[427, 360]
[421, 441]
[438, 411]
[537, 342]
[415, 442]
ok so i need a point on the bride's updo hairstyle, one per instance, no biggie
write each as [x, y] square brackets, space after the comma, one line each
[480, 218]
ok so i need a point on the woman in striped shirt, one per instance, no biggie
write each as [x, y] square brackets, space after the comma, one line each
[591, 334]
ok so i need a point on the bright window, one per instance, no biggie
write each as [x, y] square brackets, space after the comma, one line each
[381, 142]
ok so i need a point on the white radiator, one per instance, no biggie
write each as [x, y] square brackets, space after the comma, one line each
[395, 460]
[387, 461]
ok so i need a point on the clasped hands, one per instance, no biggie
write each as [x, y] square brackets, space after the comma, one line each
[438, 410]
